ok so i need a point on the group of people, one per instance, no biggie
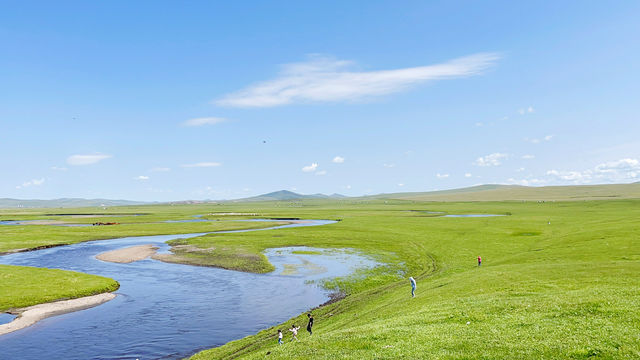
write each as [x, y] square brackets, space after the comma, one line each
[413, 281]
[294, 330]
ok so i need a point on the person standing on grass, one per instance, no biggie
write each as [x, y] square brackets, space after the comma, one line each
[479, 261]
[310, 324]
[294, 330]
[413, 286]
[279, 337]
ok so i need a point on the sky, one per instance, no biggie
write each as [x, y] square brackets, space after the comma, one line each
[162, 101]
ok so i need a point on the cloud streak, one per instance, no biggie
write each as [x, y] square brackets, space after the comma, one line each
[203, 121]
[34, 182]
[80, 160]
[325, 79]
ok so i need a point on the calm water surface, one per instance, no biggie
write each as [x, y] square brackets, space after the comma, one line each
[170, 311]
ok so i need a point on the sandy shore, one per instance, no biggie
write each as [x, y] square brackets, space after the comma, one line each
[128, 255]
[32, 314]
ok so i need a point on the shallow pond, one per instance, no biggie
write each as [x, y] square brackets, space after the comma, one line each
[170, 311]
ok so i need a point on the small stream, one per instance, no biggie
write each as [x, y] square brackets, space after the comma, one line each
[171, 311]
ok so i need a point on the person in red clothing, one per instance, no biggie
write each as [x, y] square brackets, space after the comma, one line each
[479, 261]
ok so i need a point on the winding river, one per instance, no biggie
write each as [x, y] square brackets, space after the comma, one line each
[171, 311]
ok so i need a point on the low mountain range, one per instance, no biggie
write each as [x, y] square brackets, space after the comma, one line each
[490, 192]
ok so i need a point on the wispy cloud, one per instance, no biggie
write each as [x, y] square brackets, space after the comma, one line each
[338, 160]
[78, 160]
[442, 176]
[528, 157]
[141, 178]
[310, 168]
[34, 182]
[326, 79]
[201, 164]
[203, 121]
[538, 141]
[59, 168]
[528, 110]
[389, 165]
[321, 172]
[494, 159]
[467, 175]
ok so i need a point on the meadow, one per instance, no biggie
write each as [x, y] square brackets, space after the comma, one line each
[559, 279]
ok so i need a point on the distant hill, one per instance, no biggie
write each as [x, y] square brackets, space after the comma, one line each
[65, 203]
[495, 192]
[283, 195]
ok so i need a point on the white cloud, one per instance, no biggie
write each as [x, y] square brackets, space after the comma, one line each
[491, 159]
[538, 141]
[325, 79]
[58, 168]
[338, 160]
[467, 175]
[528, 157]
[310, 168]
[348, 187]
[204, 121]
[201, 164]
[574, 176]
[401, 184]
[141, 178]
[161, 169]
[520, 169]
[389, 165]
[622, 170]
[78, 160]
[321, 172]
[528, 110]
[526, 182]
[479, 124]
[442, 176]
[34, 182]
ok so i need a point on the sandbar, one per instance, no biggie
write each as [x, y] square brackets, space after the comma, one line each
[129, 254]
[32, 314]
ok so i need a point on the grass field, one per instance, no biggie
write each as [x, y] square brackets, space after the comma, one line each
[22, 286]
[568, 289]
[559, 279]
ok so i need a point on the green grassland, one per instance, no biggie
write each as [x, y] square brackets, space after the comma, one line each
[22, 286]
[564, 290]
[559, 279]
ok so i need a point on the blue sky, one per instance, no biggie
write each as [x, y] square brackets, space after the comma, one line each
[197, 100]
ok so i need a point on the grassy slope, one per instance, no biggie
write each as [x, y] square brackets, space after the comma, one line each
[504, 192]
[22, 286]
[565, 290]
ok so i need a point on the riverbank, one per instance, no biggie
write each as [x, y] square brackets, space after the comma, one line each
[32, 314]
[128, 254]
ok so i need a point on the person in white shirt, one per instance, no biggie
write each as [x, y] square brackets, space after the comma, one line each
[294, 330]
[413, 286]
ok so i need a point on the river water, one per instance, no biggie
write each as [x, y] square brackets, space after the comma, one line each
[170, 311]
